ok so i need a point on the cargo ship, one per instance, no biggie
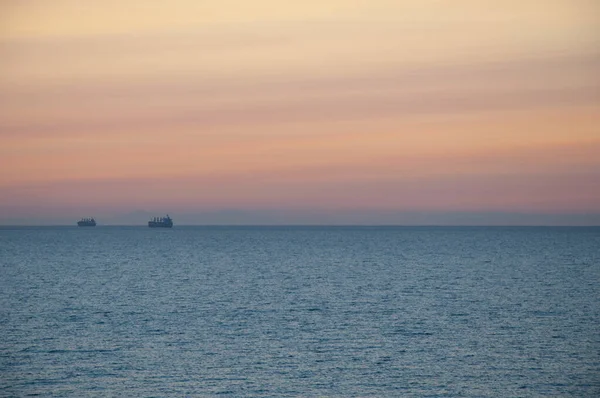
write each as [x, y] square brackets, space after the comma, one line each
[161, 222]
[86, 222]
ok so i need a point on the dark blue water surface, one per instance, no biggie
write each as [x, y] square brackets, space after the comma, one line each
[300, 312]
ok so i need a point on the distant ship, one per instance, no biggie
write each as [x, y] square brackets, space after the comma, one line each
[87, 222]
[161, 222]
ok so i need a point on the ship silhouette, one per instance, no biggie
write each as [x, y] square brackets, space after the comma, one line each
[161, 222]
[86, 222]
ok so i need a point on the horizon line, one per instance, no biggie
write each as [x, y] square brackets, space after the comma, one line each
[314, 225]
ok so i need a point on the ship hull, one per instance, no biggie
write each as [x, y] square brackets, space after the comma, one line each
[153, 224]
[85, 224]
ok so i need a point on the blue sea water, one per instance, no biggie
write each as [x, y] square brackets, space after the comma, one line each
[300, 312]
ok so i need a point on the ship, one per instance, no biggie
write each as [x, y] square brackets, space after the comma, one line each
[161, 222]
[86, 222]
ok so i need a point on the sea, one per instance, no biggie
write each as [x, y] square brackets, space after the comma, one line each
[300, 311]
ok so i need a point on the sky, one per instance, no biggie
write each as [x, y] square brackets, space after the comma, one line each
[271, 112]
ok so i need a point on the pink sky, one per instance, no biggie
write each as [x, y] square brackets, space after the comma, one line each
[332, 108]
